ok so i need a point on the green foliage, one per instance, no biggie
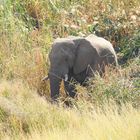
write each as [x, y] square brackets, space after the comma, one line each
[119, 88]
[132, 46]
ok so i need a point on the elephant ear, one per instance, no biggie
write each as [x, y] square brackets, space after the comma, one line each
[84, 55]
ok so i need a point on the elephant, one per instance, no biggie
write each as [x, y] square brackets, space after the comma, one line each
[78, 58]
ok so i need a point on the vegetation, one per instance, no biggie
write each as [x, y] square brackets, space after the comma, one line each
[109, 108]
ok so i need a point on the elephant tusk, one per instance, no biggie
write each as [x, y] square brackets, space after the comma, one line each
[66, 77]
[45, 78]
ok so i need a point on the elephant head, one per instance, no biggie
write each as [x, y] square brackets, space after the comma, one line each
[70, 54]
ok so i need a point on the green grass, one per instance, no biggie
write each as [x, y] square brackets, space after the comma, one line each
[107, 109]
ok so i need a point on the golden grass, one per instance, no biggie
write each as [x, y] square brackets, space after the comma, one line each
[40, 120]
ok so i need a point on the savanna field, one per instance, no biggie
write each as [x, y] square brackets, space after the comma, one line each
[108, 109]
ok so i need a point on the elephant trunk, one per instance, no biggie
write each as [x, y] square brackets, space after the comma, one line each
[55, 86]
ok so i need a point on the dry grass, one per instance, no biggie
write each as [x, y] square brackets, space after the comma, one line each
[40, 120]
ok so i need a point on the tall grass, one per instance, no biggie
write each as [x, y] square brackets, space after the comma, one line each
[107, 109]
[31, 117]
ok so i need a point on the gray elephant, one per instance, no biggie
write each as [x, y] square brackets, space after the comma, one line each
[77, 58]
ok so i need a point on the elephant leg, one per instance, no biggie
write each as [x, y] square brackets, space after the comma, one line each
[70, 89]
